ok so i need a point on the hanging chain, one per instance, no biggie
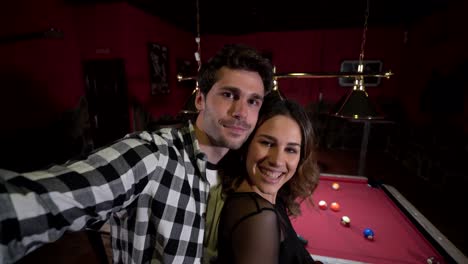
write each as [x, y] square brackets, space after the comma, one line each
[363, 43]
[197, 39]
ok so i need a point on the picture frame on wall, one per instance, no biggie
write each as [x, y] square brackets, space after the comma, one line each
[159, 68]
[370, 67]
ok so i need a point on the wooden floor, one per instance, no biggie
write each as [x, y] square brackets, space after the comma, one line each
[441, 205]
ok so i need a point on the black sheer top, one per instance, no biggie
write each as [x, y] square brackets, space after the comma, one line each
[252, 230]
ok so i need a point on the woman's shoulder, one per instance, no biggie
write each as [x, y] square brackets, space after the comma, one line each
[249, 199]
[241, 204]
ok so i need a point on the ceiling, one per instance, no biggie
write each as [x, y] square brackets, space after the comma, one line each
[248, 16]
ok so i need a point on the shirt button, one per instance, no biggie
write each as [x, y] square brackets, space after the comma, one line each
[204, 215]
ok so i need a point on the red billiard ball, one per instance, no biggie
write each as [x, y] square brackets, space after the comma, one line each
[335, 206]
[322, 204]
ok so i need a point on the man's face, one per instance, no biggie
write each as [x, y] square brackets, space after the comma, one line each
[229, 111]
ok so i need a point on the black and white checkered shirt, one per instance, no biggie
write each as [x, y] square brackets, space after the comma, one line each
[151, 187]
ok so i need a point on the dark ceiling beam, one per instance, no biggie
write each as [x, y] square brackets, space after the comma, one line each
[250, 16]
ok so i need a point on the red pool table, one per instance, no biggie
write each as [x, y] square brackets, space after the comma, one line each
[402, 234]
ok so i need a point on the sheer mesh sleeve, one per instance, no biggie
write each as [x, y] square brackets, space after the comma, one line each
[251, 225]
[256, 239]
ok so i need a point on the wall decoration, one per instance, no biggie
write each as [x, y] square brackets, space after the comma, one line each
[159, 68]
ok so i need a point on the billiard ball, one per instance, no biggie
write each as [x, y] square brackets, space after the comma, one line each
[368, 233]
[335, 206]
[432, 260]
[322, 204]
[345, 221]
[335, 186]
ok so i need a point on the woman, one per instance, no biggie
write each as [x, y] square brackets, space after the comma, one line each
[279, 171]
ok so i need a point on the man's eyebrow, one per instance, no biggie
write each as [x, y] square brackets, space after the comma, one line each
[237, 90]
[231, 88]
[257, 97]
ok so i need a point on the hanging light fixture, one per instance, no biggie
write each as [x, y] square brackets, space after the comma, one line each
[275, 92]
[190, 111]
[356, 104]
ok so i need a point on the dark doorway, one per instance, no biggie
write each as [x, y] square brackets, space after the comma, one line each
[106, 91]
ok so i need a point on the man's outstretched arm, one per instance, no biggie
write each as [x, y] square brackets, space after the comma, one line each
[38, 207]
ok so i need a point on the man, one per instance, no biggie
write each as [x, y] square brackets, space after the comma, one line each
[152, 187]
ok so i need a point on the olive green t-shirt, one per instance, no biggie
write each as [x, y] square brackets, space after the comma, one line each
[215, 204]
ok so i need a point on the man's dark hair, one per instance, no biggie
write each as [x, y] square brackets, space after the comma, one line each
[237, 57]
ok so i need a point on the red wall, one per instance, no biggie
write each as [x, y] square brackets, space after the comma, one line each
[46, 75]
[40, 78]
[122, 31]
[181, 45]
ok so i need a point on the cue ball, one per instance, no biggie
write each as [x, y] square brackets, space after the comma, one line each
[322, 204]
[335, 186]
[368, 233]
[432, 260]
[335, 206]
[345, 221]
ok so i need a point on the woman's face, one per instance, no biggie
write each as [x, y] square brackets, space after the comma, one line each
[273, 155]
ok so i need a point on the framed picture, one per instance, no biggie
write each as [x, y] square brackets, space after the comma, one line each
[159, 68]
[370, 66]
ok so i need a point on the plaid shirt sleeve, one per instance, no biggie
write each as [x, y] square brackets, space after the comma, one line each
[122, 183]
